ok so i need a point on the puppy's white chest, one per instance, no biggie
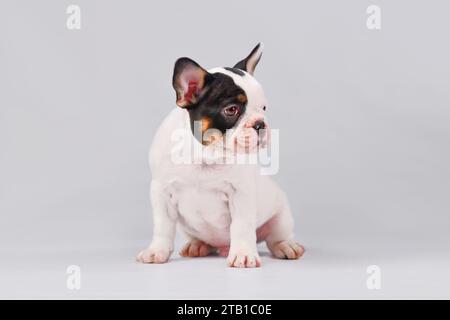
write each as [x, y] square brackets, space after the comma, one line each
[204, 211]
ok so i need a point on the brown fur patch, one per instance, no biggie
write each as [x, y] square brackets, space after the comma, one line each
[242, 98]
[209, 137]
[206, 124]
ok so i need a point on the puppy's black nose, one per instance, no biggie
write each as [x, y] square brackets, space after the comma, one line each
[258, 125]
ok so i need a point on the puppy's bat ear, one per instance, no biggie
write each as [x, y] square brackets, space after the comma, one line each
[188, 81]
[249, 63]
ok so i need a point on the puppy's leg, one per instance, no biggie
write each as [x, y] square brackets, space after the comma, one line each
[280, 239]
[164, 222]
[243, 252]
[196, 248]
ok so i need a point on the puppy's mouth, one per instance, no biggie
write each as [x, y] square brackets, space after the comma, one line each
[246, 140]
[249, 139]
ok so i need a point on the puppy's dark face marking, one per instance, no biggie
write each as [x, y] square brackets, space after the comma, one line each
[214, 99]
[220, 105]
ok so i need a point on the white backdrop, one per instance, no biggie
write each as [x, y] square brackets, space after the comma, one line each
[364, 128]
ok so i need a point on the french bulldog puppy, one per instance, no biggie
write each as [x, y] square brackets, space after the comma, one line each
[222, 207]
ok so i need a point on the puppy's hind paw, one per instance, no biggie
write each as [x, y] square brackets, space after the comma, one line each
[287, 249]
[195, 248]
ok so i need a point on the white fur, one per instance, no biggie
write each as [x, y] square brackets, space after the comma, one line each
[221, 205]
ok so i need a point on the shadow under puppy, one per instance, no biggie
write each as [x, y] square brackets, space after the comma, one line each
[222, 207]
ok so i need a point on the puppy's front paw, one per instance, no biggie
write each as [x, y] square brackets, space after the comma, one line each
[243, 259]
[154, 255]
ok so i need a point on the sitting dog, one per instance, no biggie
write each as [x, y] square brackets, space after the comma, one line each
[222, 207]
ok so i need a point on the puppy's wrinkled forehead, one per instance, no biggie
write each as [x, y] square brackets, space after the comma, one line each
[220, 97]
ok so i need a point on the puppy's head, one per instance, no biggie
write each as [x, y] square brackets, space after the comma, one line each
[226, 106]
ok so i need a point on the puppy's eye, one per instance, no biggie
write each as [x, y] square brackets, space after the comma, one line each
[264, 108]
[231, 111]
